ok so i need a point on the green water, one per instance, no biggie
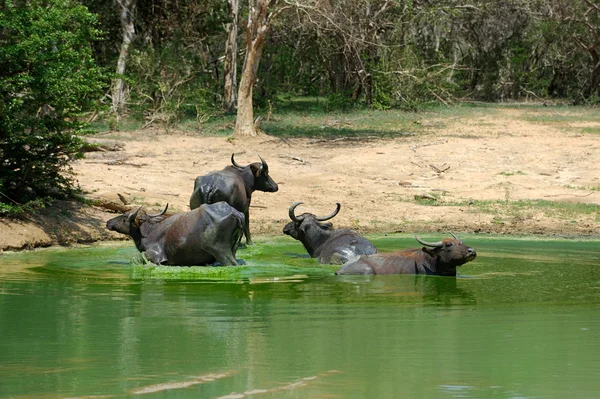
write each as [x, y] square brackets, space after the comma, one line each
[522, 321]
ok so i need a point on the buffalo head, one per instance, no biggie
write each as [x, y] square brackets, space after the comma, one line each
[129, 223]
[307, 223]
[450, 251]
[260, 171]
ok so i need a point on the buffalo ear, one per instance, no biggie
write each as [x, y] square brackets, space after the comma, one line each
[327, 226]
[255, 169]
[428, 251]
[303, 227]
[133, 217]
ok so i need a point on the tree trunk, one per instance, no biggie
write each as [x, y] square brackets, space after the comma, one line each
[230, 67]
[126, 10]
[256, 32]
[595, 80]
[244, 123]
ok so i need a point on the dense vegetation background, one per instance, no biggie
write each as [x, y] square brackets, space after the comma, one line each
[59, 57]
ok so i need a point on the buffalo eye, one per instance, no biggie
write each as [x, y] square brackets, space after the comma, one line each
[449, 244]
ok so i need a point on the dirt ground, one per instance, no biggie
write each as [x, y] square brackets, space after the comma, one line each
[497, 157]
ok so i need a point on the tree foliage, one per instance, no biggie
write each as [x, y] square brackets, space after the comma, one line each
[48, 76]
[379, 53]
[175, 69]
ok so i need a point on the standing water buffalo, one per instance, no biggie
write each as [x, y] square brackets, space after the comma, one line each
[322, 241]
[437, 258]
[234, 185]
[199, 237]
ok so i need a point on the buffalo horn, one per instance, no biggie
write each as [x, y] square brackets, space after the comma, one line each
[293, 215]
[162, 213]
[132, 215]
[331, 215]
[235, 163]
[455, 237]
[438, 244]
[264, 164]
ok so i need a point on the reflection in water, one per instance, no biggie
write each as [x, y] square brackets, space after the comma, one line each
[79, 323]
[291, 386]
[416, 289]
[167, 386]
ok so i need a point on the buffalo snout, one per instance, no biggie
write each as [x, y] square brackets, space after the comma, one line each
[291, 230]
[269, 185]
[120, 224]
[471, 253]
[112, 224]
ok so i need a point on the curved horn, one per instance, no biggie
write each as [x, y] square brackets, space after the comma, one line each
[160, 214]
[438, 244]
[264, 164]
[133, 215]
[235, 163]
[293, 215]
[455, 237]
[331, 215]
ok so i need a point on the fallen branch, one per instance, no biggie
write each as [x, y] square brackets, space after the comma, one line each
[439, 170]
[414, 147]
[425, 197]
[343, 139]
[118, 162]
[295, 159]
[93, 147]
[112, 206]
[123, 199]
[278, 140]
[570, 195]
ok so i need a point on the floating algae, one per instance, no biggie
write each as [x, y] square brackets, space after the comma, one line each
[265, 261]
[254, 271]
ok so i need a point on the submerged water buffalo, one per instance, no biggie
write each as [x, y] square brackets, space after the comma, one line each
[234, 185]
[322, 241]
[436, 258]
[200, 237]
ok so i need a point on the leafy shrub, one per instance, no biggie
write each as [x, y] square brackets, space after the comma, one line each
[167, 84]
[47, 77]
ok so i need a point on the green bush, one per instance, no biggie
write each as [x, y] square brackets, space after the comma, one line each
[168, 84]
[47, 78]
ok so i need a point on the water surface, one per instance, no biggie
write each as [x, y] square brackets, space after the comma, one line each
[521, 321]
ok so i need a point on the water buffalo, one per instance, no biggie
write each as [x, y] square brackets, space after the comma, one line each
[234, 185]
[200, 237]
[437, 258]
[322, 241]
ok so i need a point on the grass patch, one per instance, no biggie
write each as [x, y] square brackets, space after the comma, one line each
[504, 210]
[518, 172]
[359, 123]
[527, 208]
[312, 117]
[429, 199]
[562, 115]
[125, 125]
[567, 118]
[315, 117]
[590, 130]
[215, 125]
[465, 110]
[572, 187]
